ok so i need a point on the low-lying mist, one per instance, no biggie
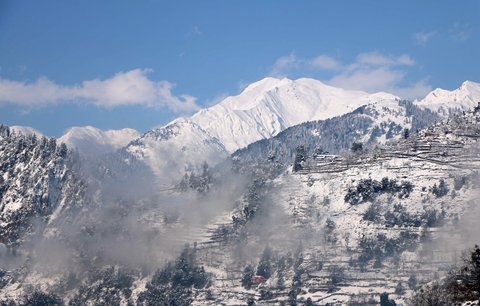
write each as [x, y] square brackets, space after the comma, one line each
[129, 220]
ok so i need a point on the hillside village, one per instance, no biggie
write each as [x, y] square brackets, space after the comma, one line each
[392, 237]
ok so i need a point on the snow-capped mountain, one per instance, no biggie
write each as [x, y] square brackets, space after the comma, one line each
[26, 130]
[262, 110]
[91, 141]
[442, 101]
[269, 106]
[339, 228]
[177, 147]
[371, 124]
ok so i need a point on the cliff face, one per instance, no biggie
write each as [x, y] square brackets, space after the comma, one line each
[37, 180]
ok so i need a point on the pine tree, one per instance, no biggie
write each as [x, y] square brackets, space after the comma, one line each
[300, 158]
[247, 277]
[265, 266]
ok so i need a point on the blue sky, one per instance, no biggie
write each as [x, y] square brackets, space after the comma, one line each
[115, 64]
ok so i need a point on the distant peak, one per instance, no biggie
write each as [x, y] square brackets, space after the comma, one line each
[384, 95]
[263, 84]
[181, 121]
[26, 130]
[309, 80]
[86, 127]
[468, 84]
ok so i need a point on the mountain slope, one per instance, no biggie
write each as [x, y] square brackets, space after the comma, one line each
[339, 229]
[267, 107]
[26, 130]
[37, 178]
[91, 141]
[375, 123]
[181, 146]
[262, 110]
[442, 101]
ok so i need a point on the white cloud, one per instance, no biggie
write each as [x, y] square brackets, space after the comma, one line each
[378, 59]
[373, 72]
[406, 60]
[380, 79]
[324, 62]
[423, 37]
[284, 64]
[125, 88]
[367, 79]
[416, 91]
[370, 72]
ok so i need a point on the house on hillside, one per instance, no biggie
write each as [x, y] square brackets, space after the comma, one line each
[258, 279]
[430, 134]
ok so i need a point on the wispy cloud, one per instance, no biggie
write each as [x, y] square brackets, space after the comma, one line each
[422, 38]
[460, 31]
[124, 88]
[374, 71]
[284, 65]
[196, 30]
[370, 71]
[378, 59]
[324, 62]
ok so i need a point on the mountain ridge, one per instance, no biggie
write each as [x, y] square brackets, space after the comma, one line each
[92, 141]
[465, 97]
[268, 106]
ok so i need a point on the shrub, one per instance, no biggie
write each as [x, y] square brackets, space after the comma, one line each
[440, 190]
[41, 298]
[368, 189]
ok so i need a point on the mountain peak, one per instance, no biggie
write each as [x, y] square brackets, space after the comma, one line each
[92, 141]
[26, 130]
[468, 85]
[180, 146]
[465, 97]
[263, 84]
[270, 105]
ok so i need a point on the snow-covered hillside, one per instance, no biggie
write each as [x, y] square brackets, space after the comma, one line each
[271, 105]
[372, 124]
[37, 179]
[91, 141]
[268, 107]
[262, 110]
[179, 147]
[26, 130]
[340, 229]
[363, 224]
[466, 97]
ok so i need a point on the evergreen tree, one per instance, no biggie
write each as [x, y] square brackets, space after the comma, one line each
[309, 302]
[247, 277]
[265, 266]
[385, 301]
[300, 158]
[356, 147]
